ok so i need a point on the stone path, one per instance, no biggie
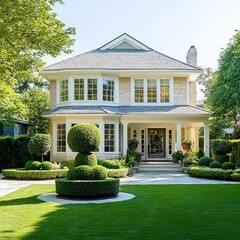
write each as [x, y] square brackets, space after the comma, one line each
[8, 186]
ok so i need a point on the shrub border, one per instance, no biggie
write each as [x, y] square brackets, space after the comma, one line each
[34, 174]
[117, 173]
[213, 173]
[87, 188]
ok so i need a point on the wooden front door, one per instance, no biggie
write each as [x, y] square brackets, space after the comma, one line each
[156, 143]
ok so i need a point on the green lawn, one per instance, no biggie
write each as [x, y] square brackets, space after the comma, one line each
[158, 212]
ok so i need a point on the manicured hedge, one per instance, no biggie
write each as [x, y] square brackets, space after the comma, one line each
[6, 152]
[34, 174]
[87, 188]
[117, 173]
[111, 164]
[210, 173]
[85, 159]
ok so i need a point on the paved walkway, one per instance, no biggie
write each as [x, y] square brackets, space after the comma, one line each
[8, 186]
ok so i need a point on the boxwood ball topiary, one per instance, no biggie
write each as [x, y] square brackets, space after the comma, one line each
[84, 138]
[80, 173]
[228, 166]
[36, 165]
[215, 165]
[46, 165]
[28, 165]
[85, 159]
[204, 161]
[99, 173]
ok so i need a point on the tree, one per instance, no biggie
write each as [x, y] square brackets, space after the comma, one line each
[225, 92]
[39, 145]
[37, 101]
[29, 30]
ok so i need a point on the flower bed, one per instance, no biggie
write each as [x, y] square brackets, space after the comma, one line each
[34, 174]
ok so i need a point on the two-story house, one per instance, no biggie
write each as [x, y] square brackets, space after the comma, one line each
[129, 91]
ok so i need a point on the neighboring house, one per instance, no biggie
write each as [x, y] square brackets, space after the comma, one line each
[129, 91]
[20, 127]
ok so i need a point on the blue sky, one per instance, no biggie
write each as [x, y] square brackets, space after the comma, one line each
[168, 26]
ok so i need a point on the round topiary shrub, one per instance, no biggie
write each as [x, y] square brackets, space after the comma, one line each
[36, 165]
[204, 161]
[85, 159]
[99, 173]
[80, 173]
[215, 165]
[222, 158]
[46, 166]
[228, 166]
[28, 165]
[84, 138]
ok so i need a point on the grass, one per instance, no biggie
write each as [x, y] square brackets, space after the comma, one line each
[158, 212]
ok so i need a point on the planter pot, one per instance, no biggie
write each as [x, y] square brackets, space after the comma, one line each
[175, 160]
[186, 147]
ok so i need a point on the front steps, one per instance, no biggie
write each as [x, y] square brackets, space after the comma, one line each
[153, 166]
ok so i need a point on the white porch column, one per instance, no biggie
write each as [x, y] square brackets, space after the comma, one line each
[117, 138]
[125, 138]
[179, 136]
[196, 140]
[206, 139]
[101, 147]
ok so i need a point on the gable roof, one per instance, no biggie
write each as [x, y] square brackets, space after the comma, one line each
[122, 53]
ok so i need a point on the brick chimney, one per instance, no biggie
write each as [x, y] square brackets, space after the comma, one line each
[191, 57]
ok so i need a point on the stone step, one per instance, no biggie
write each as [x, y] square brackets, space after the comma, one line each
[159, 167]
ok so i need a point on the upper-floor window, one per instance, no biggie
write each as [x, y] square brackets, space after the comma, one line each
[79, 89]
[164, 91]
[152, 91]
[108, 90]
[63, 90]
[139, 91]
[92, 89]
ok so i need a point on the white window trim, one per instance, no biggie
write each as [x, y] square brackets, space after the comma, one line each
[58, 92]
[145, 103]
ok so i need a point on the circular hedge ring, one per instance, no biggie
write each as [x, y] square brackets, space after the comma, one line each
[84, 138]
[87, 188]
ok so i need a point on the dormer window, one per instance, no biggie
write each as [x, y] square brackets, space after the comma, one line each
[63, 90]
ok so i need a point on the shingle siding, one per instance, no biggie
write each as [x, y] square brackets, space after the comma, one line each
[124, 91]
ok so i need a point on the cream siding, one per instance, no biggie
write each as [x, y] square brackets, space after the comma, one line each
[53, 93]
[193, 93]
[124, 91]
[180, 91]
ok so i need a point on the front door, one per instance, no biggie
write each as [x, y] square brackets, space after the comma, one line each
[156, 143]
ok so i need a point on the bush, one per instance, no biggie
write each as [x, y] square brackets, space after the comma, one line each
[201, 142]
[39, 145]
[46, 166]
[85, 159]
[235, 154]
[209, 173]
[28, 165]
[99, 173]
[6, 152]
[220, 146]
[35, 165]
[20, 150]
[117, 173]
[84, 138]
[34, 174]
[228, 166]
[133, 155]
[204, 161]
[200, 153]
[215, 165]
[67, 164]
[222, 158]
[80, 173]
[87, 189]
[112, 164]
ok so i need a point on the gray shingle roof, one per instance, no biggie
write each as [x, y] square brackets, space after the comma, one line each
[129, 110]
[120, 60]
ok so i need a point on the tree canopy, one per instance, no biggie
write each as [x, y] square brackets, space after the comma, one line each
[29, 30]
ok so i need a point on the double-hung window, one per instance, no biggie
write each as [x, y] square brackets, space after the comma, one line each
[108, 90]
[79, 89]
[61, 138]
[109, 138]
[63, 90]
[139, 90]
[92, 88]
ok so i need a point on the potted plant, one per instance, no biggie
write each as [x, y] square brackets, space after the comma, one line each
[187, 144]
[133, 144]
[177, 155]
